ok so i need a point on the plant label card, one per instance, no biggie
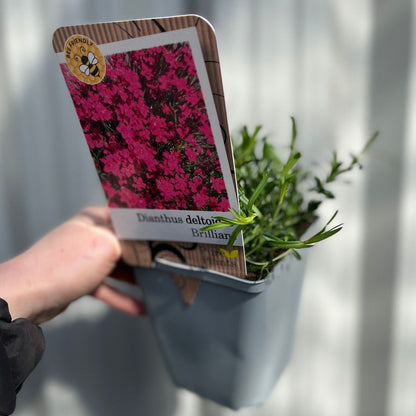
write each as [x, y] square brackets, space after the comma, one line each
[147, 110]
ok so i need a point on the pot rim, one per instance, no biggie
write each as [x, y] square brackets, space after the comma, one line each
[224, 279]
[216, 277]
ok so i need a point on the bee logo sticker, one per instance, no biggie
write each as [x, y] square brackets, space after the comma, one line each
[84, 59]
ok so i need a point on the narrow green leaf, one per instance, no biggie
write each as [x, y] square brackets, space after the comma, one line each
[324, 235]
[370, 142]
[234, 236]
[296, 254]
[215, 226]
[257, 191]
[270, 155]
[279, 243]
[313, 205]
[294, 134]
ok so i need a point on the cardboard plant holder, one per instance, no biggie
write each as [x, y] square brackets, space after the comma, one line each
[223, 337]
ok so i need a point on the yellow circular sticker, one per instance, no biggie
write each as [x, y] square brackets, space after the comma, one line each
[84, 59]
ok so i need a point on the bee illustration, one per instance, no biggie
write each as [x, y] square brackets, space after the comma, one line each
[89, 64]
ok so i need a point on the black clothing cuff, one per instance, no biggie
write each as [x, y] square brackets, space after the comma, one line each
[21, 347]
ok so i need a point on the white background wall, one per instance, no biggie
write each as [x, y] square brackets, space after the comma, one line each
[343, 69]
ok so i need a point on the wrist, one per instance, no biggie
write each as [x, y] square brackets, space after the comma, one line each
[16, 287]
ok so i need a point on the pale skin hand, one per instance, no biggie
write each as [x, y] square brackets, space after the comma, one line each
[69, 262]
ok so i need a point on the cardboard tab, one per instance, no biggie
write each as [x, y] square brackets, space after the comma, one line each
[157, 80]
[187, 286]
[208, 256]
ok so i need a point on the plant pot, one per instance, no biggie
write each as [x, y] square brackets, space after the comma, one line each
[232, 344]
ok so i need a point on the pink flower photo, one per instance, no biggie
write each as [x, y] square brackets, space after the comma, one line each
[148, 131]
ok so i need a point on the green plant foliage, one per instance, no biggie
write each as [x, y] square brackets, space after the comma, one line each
[278, 200]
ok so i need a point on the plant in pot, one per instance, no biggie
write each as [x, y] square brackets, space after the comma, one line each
[234, 340]
[232, 344]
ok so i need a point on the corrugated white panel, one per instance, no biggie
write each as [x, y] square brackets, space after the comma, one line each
[342, 69]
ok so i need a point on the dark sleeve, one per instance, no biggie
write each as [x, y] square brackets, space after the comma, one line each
[21, 348]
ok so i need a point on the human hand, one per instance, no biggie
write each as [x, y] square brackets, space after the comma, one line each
[69, 262]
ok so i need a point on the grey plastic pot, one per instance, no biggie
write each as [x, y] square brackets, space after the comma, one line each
[234, 342]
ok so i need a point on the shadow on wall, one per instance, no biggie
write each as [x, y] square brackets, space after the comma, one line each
[389, 97]
[116, 349]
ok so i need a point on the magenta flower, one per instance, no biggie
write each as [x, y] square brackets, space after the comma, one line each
[190, 154]
[218, 184]
[166, 188]
[200, 200]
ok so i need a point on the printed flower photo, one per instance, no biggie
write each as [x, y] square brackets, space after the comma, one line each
[148, 131]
